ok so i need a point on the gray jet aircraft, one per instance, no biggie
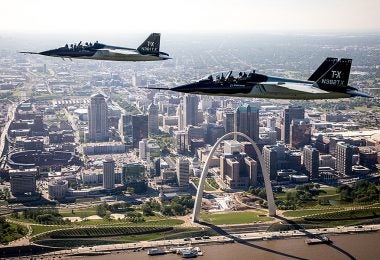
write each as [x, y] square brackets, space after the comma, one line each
[149, 50]
[329, 81]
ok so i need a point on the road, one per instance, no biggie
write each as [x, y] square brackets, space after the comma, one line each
[218, 239]
[11, 114]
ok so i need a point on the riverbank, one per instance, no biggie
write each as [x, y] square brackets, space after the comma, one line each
[345, 246]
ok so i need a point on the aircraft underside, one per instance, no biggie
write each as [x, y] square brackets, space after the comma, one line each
[276, 92]
[119, 57]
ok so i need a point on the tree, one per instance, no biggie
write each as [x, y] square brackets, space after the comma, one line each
[101, 210]
[147, 210]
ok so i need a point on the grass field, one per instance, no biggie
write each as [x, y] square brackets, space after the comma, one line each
[208, 187]
[82, 212]
[346, 215]
[306, 212]
[234, 217]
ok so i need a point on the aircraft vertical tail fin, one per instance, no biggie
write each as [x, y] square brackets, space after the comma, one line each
[337, 76]
[328, 63]
[151, 45]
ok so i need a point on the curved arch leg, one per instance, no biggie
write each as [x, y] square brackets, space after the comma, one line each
[268, 187]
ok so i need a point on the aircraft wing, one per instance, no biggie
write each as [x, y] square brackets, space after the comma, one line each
[118, 51]
[308, 88]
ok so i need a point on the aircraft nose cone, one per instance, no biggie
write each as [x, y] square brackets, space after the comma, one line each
[188, 88]
[47, 53]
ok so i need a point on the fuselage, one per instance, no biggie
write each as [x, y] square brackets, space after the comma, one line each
[104, 52]
[262, 86]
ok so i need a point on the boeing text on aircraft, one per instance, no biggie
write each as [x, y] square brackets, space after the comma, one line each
[149, 50]
[329, 81]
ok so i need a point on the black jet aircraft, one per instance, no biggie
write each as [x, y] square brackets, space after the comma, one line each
[149, 50]
[329, 81]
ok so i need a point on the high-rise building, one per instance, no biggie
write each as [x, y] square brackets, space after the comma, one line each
[229, 121]
[98, 119]
[311, 161]
[300, 133]
[327, 160]
[139, 128]
[247, 121]
[271, 122]
[275, 159]
[23, 181]
[289, 114]
[180, 116]
[180, 141]
[214, 132]
[132, 173]
[152, 118]
[142, 149]
[190, 110]
[344, 153]
[183, 173]
[125, 128]
[236, 168]
[108, 173]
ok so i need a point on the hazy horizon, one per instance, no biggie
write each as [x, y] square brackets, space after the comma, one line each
[178, 16]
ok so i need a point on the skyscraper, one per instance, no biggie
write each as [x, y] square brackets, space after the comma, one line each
[98, 119]
[247, 121]
[311, 161]
[108, 173]
[229, 121]
[152, 118]
[300, 133]
[139, 128]
[183, 173]
[344, 153]
[290, 113]
[190, 110]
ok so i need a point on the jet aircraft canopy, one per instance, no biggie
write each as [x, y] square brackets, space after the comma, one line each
[235, 76]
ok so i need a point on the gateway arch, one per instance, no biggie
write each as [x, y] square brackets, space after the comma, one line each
[268, 187]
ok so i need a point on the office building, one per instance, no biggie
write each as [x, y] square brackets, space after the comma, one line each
[152, 118]
[98, 119]
[288, 115]
[190, 110]
[247, 121]
[238, 170]
[108, 174]
[344, 154]
[57, 189]
[183, 173]
[139, 129]
[23, 181]
[300, 133]
[311, 161]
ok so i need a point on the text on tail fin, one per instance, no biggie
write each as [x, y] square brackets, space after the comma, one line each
[337, 76]
[151, 44]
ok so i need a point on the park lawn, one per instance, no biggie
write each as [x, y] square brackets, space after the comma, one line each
[143, 237]
[38, 229]
[208, 187]
[329, 191]
[81, 212]
[307, 212]
[230, 218]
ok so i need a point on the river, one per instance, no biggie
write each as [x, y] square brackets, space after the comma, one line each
[347, 246]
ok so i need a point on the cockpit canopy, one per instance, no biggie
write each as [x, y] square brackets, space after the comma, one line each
[234, 75]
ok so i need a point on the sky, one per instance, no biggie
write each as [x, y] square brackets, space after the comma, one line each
[190, 16]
